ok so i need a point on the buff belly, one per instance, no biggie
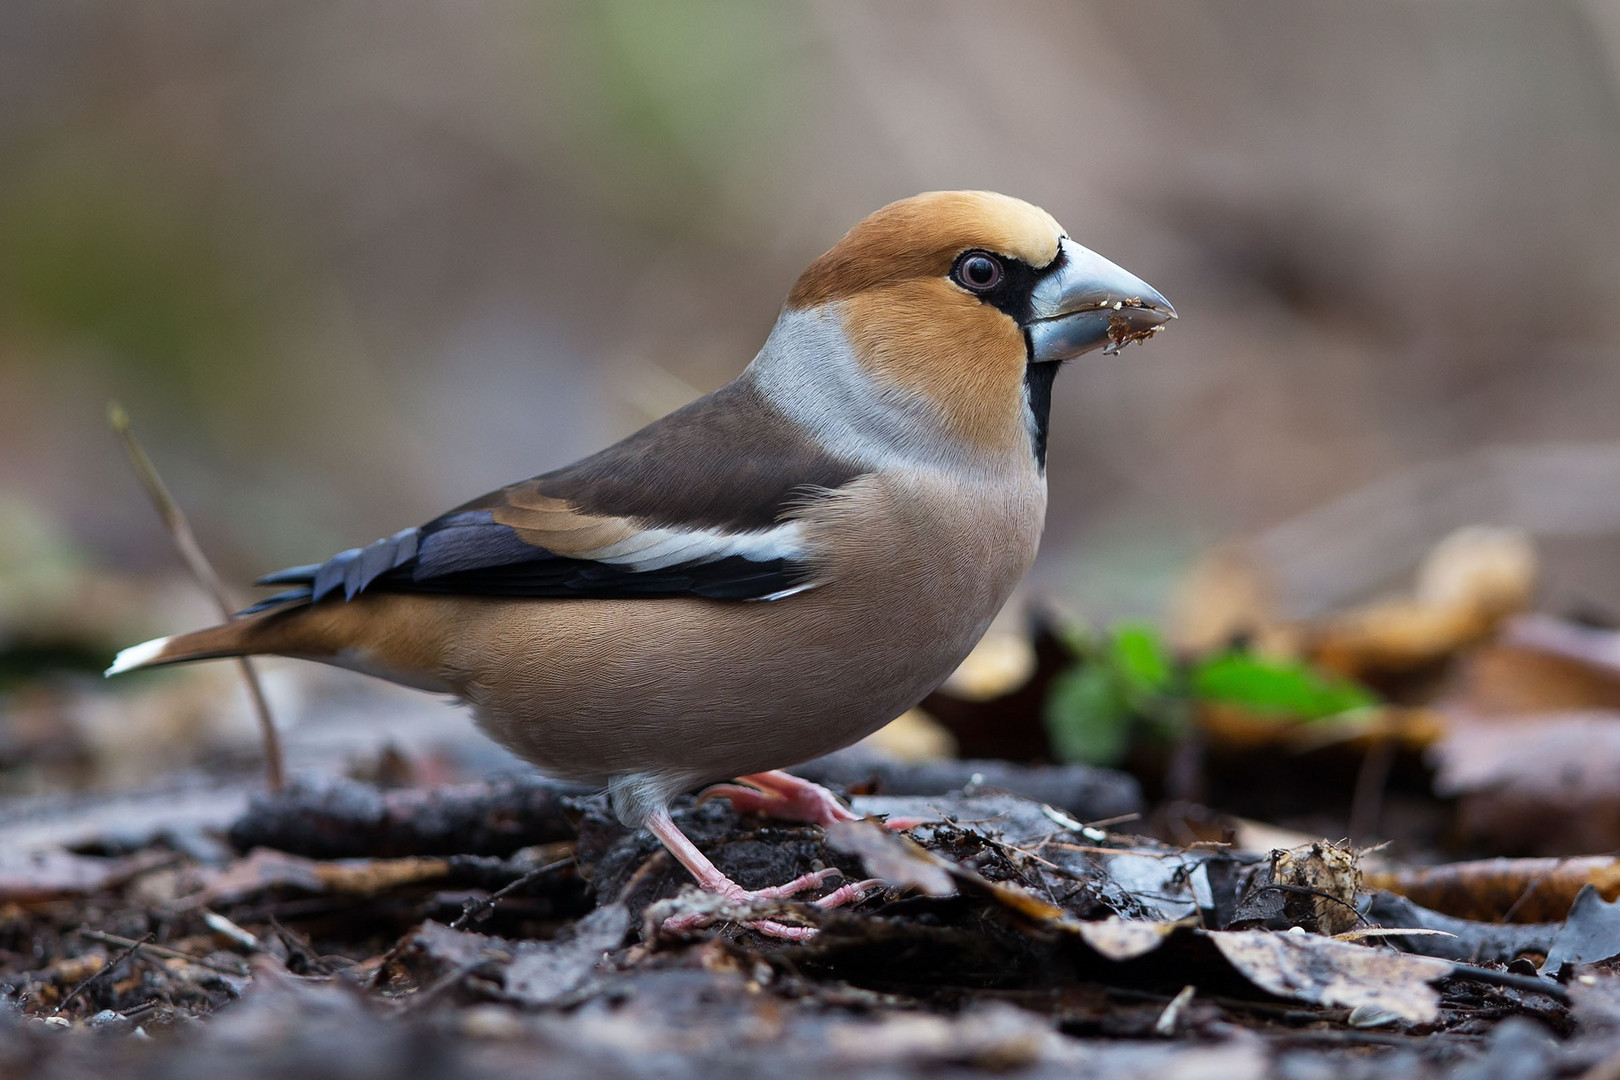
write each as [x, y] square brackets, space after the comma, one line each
[678, 692]
[702, 690]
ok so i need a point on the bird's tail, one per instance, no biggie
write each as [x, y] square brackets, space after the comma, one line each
[397, 636]
[240, 637]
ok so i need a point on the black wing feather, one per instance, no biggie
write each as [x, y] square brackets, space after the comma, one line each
[468, 553]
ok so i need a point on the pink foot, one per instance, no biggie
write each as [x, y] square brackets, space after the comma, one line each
[844, 894]
[781, 795]
[710, 879]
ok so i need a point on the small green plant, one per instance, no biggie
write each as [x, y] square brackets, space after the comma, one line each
[1286, 689]
[1124, 680]
[1126, 684]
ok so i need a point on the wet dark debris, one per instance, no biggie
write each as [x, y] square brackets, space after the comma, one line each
[353, 932]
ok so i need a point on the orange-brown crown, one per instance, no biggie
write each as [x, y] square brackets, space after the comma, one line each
[921, 237]
[918, 332]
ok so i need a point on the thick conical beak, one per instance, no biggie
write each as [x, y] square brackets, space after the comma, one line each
[1086, 302]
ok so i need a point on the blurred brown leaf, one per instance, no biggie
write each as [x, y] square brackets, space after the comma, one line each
[1536, 784]
[1468, 585]
[265, 868]
[1502, 890]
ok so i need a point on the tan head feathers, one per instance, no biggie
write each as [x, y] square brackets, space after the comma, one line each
[921, 237]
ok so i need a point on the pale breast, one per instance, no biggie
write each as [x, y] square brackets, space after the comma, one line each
[916, 566]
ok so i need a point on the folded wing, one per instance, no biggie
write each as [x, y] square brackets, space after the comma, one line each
[699, 503]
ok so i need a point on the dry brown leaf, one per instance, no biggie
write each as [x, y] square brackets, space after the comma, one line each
[1234, 727]
[1306, 967]
[1000, 663]
[1492, 890]
[1228, 598]
[912, 736]
[1393, 637]
[1297, 966]
[1312, 886]
[1593, 646]
[1468, 585]
[1125, 939]
[899, 861]
[266, 868]
[29, 877]
[1535, 785]
[1510, 680]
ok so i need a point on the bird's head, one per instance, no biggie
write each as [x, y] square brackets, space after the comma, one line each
[941, 319]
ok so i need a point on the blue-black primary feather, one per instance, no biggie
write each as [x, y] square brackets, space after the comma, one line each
[469, 553]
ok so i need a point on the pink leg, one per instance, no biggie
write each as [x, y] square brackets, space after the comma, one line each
[782, 795]
[710, 879]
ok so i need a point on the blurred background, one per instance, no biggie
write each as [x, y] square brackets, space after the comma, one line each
[349, 265]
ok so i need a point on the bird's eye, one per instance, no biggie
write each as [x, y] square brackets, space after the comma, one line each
[977, 271]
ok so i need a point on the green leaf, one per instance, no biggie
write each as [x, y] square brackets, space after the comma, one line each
[1140, 658]
[1087, 716]
[1276, 687]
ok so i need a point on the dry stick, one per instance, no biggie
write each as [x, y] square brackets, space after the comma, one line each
[164, 950]
[1529, 891]
[102, 972]
[1366, 804]
[474, 910]
[191, 553]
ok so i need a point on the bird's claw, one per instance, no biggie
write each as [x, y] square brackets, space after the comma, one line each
[844, 894]
[782, 795]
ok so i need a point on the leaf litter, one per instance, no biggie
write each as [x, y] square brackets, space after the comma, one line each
[1003, 937]
[1193, 915]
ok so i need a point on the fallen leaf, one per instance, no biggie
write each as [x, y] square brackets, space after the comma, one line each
[1125, 939]
[911, 736]
[1509, 680]
[266, 868]
[898, 861]
[543, 972]
[1503, 890]
[1457, 939]
[1468, 585]
[434, 950]
[367, 877]
[1226, 598]
[1306, 967]
[29, 877]
[1312, 886]
[1000, 663]
[1598, 649]
[1536, 785]
[1591, 933]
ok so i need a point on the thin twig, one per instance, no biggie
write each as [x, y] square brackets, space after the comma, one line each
[191, 553]
[1117, 819]
[1533, 984]
[101, 973]
[477, 908]
[297, 943]
[1529, 890]
[164, 950]
[1367, 801]
[1091, 849]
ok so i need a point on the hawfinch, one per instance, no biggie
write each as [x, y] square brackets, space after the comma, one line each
[767, 574]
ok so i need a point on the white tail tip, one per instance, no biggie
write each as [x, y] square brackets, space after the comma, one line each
[137, 656]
